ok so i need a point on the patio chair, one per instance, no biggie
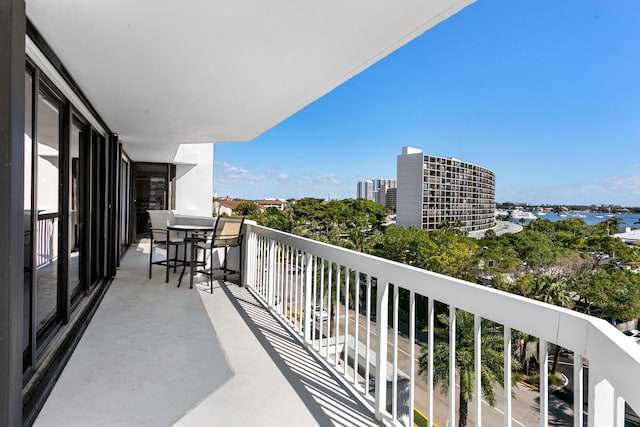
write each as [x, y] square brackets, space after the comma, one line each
[227, 234]
[161, 237]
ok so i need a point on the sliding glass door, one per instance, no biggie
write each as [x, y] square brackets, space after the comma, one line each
[47, 184]
[65, 187]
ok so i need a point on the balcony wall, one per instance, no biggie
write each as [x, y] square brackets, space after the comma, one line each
[290, 275]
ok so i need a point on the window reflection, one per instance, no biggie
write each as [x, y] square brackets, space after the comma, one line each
[75, 213]
[48, 162]
[28, 150]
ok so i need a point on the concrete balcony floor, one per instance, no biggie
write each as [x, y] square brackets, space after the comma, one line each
[155, 354]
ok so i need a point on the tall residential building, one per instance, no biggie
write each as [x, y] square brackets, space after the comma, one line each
[433, 190]
[390, 199]
[375, 189]
[365, 189]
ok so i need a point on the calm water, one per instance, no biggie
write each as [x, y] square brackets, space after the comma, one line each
[591, 218]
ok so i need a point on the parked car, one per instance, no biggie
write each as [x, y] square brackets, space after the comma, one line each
[320, 313]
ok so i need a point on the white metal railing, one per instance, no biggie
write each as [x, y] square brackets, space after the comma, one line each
[305, 283]
[46, 239]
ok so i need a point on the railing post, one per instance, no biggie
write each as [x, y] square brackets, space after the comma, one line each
[602, 399]
[544, 383]
[412, 354]
[247, 257]
[477, 365]
[382, 301]
[452, 365]
[578, 391]
[430, 338]
[270, 292]
[308, 281]
[619, 411]
[254, 248]
[394, 379]
[507, 376]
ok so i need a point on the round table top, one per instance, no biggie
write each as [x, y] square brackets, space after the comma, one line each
[190, 227]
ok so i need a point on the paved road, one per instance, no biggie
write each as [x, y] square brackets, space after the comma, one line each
[502, 227]
[525, 403]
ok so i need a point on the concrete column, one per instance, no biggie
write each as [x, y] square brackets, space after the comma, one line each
[12, 69]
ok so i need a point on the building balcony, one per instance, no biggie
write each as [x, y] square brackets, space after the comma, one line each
[289, 348]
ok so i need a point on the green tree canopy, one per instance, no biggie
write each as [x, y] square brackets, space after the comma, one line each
[608, 293]
[247, 208]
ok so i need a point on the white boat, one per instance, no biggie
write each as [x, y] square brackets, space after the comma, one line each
[519, 213]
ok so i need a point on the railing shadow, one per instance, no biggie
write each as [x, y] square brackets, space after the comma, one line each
[324, 396]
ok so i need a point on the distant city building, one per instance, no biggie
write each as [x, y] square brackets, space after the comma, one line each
[375, 189]
[226, 205]
[365, 190]
[390, 199]
[435, 190]
[271, 203]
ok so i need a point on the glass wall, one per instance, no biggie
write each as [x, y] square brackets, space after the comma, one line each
[47, 171]
[28, 234]
[125, 196]
[74, 222]
[76, 205]
[154, 189]
[66, 185]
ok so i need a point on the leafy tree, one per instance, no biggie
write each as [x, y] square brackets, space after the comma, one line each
[492, 349]
[247, 208]
[455, 256]
[497, 257]
[308, 209]
[490, 235]
[610, 226]
[608, 293]
[410, 246]
[277, 219]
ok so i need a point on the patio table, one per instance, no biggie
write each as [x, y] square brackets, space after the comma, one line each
[187, 229]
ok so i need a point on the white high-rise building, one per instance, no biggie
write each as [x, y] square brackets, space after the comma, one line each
[435, 190]
[375, 189]
[365, 189]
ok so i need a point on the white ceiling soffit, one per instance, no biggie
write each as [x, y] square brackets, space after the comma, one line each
[161, 73]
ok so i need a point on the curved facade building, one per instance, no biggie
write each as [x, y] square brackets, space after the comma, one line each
[436, 190]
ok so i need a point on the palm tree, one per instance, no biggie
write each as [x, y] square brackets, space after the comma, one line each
[554, 291]
[613, 225]
[492, 354]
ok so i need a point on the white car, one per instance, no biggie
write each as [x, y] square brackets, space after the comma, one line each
[320, 313]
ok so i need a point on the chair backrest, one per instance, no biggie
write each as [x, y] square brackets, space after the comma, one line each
[228, 231]
[159, 221]
[194, 219]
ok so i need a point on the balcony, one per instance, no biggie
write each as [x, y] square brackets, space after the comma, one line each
[150, 354]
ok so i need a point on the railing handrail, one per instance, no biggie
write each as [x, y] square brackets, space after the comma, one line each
[47, 215]
[616, 356]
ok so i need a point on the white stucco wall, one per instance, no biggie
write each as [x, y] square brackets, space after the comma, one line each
[194, 179]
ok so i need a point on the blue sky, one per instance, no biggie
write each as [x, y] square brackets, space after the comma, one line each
[545, 93]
